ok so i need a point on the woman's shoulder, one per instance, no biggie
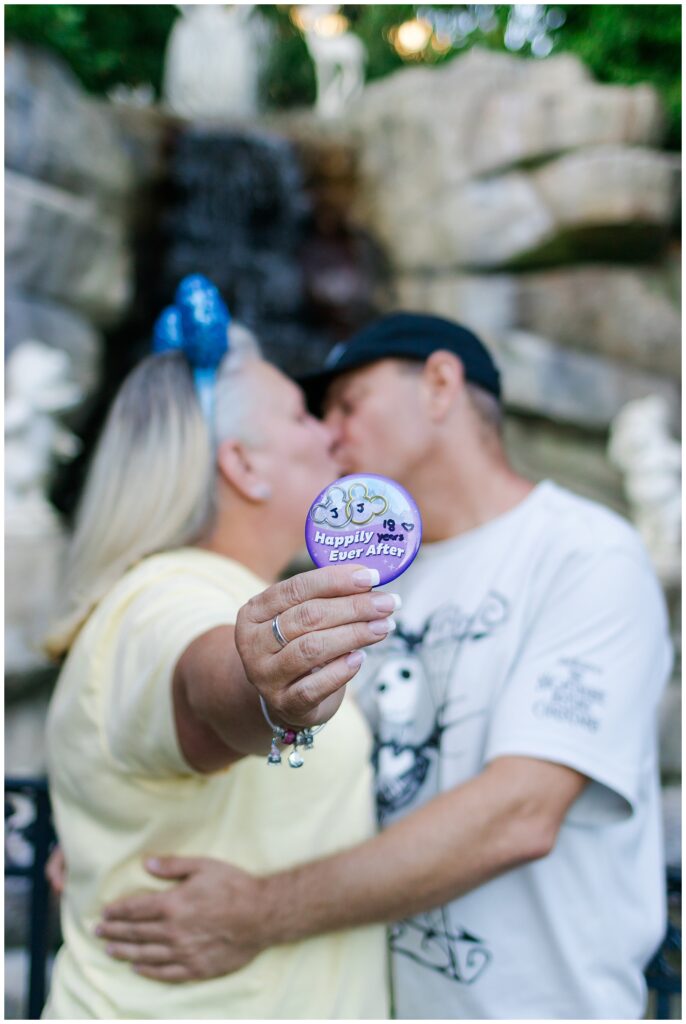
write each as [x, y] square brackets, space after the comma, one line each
[190, 568]
[197, 564]
[166, 587]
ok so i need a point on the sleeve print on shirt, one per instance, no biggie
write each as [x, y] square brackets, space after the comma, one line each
[570, 693]
[430, 941]
[414, 707]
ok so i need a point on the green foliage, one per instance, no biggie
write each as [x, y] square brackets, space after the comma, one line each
[288, 79]
[630, 43]
[106, 44]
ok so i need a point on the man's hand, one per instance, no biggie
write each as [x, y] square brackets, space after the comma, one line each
[326, 615]
[219, 917]
[205, 927]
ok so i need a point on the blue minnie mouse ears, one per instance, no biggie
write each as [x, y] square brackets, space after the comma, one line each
[197, 325]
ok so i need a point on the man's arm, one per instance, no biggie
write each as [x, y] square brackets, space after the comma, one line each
[506, 816]
[219, 917]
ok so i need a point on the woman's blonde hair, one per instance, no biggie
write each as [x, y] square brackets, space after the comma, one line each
[151, 484]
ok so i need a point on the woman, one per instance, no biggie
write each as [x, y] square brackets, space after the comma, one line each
[186, 515]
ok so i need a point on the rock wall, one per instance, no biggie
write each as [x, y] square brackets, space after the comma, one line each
[533, 204]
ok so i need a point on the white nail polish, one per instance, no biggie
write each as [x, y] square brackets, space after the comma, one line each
[355, 659]
[382, 626]
[367, 577]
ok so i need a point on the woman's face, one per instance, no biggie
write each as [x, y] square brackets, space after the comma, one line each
[295, 450]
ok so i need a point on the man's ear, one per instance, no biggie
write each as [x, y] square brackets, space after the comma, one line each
[444, 381]
[237, 466]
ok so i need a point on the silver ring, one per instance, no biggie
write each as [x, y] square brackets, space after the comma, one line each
[278, 635]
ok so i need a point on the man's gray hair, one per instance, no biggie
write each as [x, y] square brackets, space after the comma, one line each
[488, 408]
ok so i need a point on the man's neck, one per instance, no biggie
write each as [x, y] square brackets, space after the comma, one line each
[457, 497]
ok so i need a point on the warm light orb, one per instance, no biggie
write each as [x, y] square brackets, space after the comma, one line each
[323, 19]
[296, 17]
[441, 43]
[412, 36]
[331, 25]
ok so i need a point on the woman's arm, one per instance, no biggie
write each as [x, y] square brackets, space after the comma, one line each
[217, 714]
[327, 616]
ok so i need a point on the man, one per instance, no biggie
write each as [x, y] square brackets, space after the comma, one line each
[514, 710]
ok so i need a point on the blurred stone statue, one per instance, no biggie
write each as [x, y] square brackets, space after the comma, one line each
[642, 447]
[339, 58]
[211, 63]
[38, 387]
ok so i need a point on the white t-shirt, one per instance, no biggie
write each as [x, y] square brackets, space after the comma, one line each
[542, 633]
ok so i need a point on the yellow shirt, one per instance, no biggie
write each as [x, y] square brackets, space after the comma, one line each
[121, 790]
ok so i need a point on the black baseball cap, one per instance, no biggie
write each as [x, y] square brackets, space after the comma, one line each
[404, 336]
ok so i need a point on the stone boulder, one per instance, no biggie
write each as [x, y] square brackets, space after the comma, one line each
[571, 387]
[56, 133]
[609, 185]
[493, 160]
[622, 312]
[597, 201]
[540, 449]
[629, 314]
[487, 111]
[525, 124]
[62, 247]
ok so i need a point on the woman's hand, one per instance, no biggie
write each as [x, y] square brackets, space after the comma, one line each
[56, 871]
[326, 616]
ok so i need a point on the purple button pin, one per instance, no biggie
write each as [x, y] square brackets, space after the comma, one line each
[366, 519]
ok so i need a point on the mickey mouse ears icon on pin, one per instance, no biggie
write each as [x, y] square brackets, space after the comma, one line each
[367, 519]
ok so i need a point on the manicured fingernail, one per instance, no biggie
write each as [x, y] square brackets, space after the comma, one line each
[355, 659]
[152, 864]
[382, 626]
[366, 577]
[387, 602]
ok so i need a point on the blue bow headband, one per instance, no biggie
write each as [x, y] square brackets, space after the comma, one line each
[197, 325]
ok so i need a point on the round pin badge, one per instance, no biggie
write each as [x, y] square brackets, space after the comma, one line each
[366, 519]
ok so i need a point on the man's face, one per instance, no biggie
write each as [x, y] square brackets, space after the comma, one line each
[377, 419]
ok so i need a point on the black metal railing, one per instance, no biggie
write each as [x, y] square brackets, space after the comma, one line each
[29, 836]
[663, 973]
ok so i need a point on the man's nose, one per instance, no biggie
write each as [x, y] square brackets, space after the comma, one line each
[332, 423]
